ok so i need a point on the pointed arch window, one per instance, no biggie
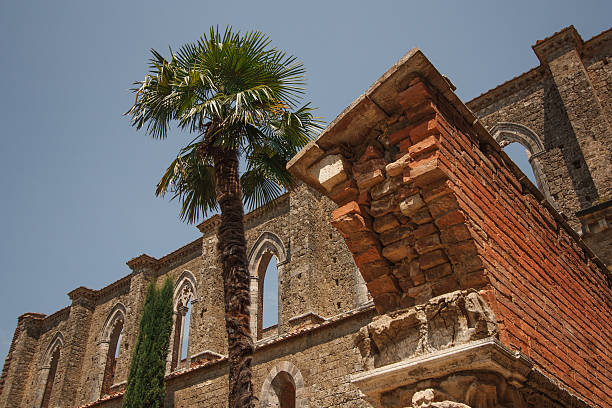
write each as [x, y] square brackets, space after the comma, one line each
[109, 347]
[51, 378]
[266, 260]
[48, 371]
[114, 342]
[184, 298]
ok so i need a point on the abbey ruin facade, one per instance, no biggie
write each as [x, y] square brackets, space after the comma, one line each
[417, 265]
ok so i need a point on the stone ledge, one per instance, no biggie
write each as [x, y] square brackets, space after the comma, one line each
[486, 354]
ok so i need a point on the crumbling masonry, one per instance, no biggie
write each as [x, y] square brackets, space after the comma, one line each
[418, 267]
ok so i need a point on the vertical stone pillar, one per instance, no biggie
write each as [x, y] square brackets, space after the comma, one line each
[144, 270]
[296, 279]
[101, 356]
[19, 362]
[561, 53]
[72, 355]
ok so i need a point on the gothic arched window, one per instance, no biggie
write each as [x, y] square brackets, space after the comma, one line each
[184, 297]
[266, 260]
[114, 342]
[48, 371]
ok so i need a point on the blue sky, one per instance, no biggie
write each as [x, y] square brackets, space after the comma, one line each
[77, 180]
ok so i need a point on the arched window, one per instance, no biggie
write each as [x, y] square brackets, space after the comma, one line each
[184, 297]
[114, 341]
[283, 388]
[266, 260]
[48, 370]
[109, 347]
[268, 295]
[506, 133]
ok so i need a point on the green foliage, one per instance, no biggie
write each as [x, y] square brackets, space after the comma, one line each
[234, 92]
[145, 384]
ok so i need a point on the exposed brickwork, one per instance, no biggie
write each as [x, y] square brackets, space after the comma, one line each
[464, 216]
[454, 245]
[566, 102]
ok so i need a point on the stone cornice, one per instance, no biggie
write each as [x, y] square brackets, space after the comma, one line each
[534, 75]
[142, 261]
[510, 87]
[82, 292]
[210, 225]
[560, 42]
[115, 286]
[184, 251]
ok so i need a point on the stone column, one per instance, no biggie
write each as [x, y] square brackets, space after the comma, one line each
[561, 53]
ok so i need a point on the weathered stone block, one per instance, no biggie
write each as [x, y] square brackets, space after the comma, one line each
[329, 171]
[388, 186]
[399, 250]
[397, 167]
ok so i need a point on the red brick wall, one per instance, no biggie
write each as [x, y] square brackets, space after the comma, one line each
[553, 302]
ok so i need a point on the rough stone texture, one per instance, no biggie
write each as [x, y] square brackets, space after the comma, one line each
[564, 104]
[470, 269]
[492, 229]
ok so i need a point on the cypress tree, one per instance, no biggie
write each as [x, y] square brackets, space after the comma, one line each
[145, 384]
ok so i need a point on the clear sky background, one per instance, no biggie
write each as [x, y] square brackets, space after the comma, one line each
[77, 181]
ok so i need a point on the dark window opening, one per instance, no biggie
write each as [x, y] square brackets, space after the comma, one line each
[111, 357]
[284, 388]
[50, 378]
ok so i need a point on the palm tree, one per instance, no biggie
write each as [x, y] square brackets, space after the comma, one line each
[239, 97]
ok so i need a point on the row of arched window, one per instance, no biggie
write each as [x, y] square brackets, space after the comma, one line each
[264, 260]
[283, 387]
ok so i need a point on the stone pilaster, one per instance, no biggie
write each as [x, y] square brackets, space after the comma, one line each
[19, 362]
[69, 370]
[144, 270]
[561, 53]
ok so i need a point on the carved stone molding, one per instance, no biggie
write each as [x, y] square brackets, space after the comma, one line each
[486, 355]
[443, 322]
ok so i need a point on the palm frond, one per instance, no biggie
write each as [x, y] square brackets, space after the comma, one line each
[250, 91]
[191, 179]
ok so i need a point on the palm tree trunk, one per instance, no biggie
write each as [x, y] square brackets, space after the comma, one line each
[232, 255]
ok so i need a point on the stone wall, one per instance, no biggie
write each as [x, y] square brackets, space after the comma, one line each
[471, 291]
[563, 106]
[317, 281]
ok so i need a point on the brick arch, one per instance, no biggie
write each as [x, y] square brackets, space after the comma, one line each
[286, 370]
[266, 246]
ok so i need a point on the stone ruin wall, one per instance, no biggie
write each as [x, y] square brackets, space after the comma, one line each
[561, 112]
[317, 281]
[499, 288]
